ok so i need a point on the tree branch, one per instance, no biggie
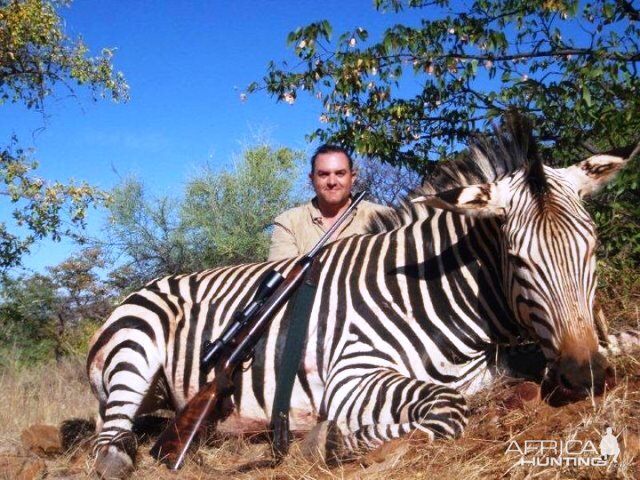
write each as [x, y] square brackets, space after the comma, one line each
[628, 9]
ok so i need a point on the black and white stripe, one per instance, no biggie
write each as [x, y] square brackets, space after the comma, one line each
[406, 320]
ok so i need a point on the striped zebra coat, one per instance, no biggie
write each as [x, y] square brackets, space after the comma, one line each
[406, 321]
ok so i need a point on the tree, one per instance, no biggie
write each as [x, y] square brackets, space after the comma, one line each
[53, 315]
[41, 208]
[222, 219]
[36, 59]
[387, 184]
[227, 215]
[83, 299]
[417, 92]
[27, 308]
[146, 231]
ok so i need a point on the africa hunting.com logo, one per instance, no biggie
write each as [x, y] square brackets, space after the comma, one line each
[577, 453]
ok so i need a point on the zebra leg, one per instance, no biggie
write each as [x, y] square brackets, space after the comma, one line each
[383, 404]
[124, 367]
[131, 390]
[439, 412]
[115, 458]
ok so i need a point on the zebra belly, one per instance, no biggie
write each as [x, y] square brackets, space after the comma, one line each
[254, 417]
[300, 420]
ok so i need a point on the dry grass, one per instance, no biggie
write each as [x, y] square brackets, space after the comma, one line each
[47, 394]
[619, 295]
[50, 395]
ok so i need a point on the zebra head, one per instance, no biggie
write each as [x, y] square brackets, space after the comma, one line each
[547, 244]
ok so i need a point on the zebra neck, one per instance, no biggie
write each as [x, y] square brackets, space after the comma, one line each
[457, 260]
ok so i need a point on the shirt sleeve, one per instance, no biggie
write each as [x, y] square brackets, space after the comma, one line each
[283, 243]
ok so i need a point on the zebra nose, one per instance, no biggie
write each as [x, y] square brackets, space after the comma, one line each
[570, 379]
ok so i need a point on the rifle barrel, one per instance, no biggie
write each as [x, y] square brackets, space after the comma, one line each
[206, 407]
[327, 235]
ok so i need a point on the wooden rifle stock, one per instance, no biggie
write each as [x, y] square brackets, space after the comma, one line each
[207, 407]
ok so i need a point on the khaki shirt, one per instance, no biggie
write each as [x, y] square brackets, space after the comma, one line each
[296, 231]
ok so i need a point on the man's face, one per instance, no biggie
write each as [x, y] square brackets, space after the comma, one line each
[332, 179]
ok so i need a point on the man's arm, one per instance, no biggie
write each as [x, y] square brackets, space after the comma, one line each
[283, 243]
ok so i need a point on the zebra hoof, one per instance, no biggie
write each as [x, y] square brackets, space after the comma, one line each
[324, 443]
[116, 460]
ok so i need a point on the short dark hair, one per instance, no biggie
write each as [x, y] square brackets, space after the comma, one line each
[328, 148]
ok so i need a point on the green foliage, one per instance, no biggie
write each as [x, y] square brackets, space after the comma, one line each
[416, 92]
[80, 290]
[147, 232]
[223, 218]
[27, 309]
[387, 184]
[52, 316]
[42, 209]
[36, 57]
[226, 215]
[616, 211]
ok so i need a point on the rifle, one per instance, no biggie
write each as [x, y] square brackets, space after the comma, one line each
[234, 347]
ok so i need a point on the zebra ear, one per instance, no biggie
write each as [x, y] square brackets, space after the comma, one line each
[591, 174]
[482, 200]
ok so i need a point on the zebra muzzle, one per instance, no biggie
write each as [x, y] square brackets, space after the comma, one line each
[569, 380]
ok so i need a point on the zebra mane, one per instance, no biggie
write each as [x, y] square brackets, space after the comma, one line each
[488, 159]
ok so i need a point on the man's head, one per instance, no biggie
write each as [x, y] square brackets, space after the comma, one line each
[332, 176]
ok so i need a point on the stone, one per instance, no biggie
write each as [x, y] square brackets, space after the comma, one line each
[42, 439]
[22, 468]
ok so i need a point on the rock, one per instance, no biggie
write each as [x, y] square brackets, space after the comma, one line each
[22, 468]
[42, 439]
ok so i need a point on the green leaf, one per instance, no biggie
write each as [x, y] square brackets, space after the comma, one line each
[586, 96]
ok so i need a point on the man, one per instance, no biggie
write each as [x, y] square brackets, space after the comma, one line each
[296, 231]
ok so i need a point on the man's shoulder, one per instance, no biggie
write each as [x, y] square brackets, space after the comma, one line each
[293, 214]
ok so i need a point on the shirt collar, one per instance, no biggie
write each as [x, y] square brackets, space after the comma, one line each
[316, 215]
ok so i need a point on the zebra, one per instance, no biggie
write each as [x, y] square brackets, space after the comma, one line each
[407, 320]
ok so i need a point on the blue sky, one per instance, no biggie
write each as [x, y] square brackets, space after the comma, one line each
[187, 64]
